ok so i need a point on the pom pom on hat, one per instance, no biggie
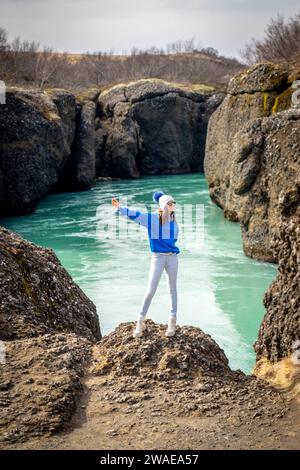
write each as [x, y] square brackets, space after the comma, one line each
[157, 195]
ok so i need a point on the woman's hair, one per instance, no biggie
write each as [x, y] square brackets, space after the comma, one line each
[166, 216]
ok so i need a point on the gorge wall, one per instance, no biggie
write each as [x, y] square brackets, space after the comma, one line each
[252, 153]
[154, 127]
[252, 166]
[53, 140]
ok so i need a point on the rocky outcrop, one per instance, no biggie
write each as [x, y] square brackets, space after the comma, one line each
[190, 353]
[41, 382]
[153, 127]
[171, 393]
[266, 164]
[252, 166]
[36, 133]
[253, 153]
[190, 365]
[100, 143]
[66, 107]
[47, 328]
[279, 333]
[37, 294]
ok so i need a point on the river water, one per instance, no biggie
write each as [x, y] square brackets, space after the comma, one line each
[219, 289]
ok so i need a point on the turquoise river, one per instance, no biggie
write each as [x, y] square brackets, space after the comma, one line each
[219, 288]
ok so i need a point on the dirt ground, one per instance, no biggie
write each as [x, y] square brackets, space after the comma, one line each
[172, 393]
[158, 424]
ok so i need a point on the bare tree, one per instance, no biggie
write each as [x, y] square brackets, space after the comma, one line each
[47, 63]
[189, 45]
[21, 59]
[281, 42]
[211, 51]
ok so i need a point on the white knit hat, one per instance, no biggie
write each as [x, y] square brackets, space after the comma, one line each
[163, 200]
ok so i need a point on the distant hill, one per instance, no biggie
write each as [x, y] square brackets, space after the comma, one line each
[75, 71]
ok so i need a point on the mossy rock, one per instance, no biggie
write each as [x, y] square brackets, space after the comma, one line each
[88, 94]
[283, 101]
[262, 77]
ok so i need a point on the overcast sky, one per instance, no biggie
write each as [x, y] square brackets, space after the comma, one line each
[92, 25]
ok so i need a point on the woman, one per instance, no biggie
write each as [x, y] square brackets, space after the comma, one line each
[163, 234]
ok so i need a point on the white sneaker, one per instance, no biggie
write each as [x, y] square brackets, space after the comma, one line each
[171, 327]
[140, 326]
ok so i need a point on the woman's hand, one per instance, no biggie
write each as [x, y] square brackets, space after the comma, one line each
[115, 202]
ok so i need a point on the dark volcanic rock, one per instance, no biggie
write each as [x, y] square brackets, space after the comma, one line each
[38, 295]
[36, 131]
[55, 141]
[264, 76]
[47, 328]
[266, 164]
[80, 170]
[189, 352]
[154, 127]
[252, 165]
[279, 332]
[253, 153]
[40, 384]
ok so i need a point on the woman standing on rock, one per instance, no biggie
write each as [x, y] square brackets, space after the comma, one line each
[163, 234]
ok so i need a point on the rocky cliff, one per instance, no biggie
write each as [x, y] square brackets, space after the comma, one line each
[48, 326]
[53, 140]
[36, 134]
[152, 127]
[38, 296]
[279, 333]
[253, 153]
[252, 165]
[79, 172]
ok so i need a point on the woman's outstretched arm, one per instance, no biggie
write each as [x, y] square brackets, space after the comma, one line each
[141, 218]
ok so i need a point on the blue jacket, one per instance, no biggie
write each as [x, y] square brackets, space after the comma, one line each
[162, 238]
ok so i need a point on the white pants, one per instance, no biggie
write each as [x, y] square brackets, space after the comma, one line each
[159, 262]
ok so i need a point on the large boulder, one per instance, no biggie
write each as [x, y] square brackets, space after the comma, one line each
[190, 353]
[37, 295]
[253, 153]
[36, 133]
[153, 127]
